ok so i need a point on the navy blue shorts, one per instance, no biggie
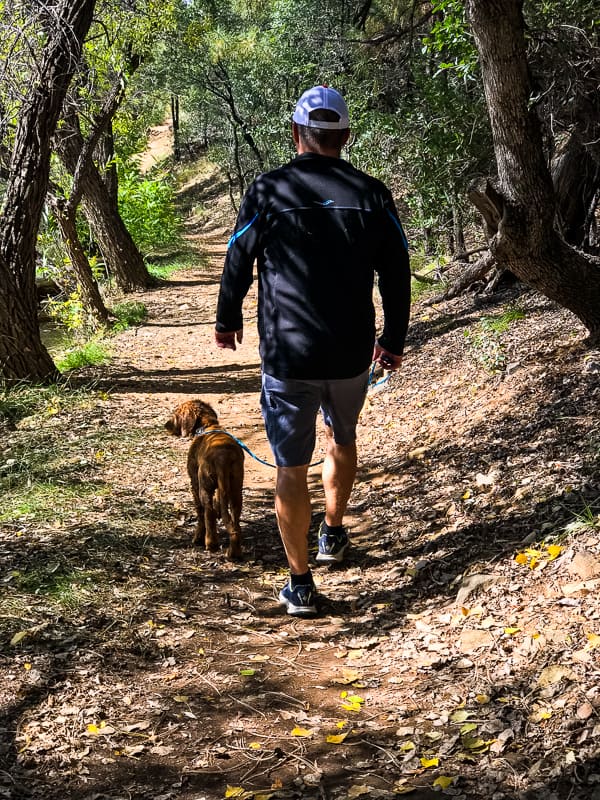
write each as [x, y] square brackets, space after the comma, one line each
[290, 407]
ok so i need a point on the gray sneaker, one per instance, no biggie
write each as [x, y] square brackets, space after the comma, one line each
[332, 546]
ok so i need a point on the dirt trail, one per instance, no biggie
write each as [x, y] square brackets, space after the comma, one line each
[439, 664]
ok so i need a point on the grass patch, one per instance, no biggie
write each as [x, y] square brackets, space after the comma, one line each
[129, 314]
[163, 268]
[86, 354]
[424, 266]
[485, 339]
[67, 588]
[44, 501]
[24, 400]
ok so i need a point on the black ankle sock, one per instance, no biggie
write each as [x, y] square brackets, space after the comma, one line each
[332, 531]
[301, 580]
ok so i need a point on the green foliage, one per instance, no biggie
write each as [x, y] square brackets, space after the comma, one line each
[147, 208]
[86, 354]
[69, 312]
[486, 342]
[165, 268]
[129, 314]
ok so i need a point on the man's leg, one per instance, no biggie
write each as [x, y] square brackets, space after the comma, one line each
[339, 472]
[293, 509]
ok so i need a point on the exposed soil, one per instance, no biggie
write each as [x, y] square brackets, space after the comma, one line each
[440, 664]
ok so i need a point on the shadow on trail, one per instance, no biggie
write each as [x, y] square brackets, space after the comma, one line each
[228, 379]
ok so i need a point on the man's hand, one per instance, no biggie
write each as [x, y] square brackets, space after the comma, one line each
[227, 340]
[385, 359]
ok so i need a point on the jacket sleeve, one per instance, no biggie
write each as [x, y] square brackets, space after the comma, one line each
[242, 249]
[393, 269]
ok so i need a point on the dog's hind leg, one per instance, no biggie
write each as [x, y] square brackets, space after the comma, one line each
[210, 521]
[232, 520]
[200, 531]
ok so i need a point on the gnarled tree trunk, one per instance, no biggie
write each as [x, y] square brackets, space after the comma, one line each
[22, 354]
[123, 260]
[519, 209]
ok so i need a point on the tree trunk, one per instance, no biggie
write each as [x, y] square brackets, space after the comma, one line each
[105, 151]
[22, 354]
[122, 258]
[520, 209]
[90, 293]
[576, 178]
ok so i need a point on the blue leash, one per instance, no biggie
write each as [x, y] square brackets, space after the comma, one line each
[370, 385]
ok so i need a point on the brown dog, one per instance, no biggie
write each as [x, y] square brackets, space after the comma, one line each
[215, 465]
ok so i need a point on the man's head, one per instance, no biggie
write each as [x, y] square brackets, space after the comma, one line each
[321, 123]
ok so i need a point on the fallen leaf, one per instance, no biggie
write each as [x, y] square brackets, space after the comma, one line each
[337, 738]
[18, 637]
[553, 674]
[306, 732]
[358, 790]
[234, 791]
[443, 781]
[429, 762]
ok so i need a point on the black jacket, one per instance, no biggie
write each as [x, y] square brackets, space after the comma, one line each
[319, 229]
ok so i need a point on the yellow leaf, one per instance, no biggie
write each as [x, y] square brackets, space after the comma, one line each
[336, 738]
[234, 791]
[533, 563]
[255, 745]
[302, 732]
[406, 746]
[341, 723]
[444, 781]
[181, 698]
[466, 495]
[343, 695]
[521, 558]
[93, 729]
[533, 553]
[429, 762]
[482, 699]
[511, 631]
[593, 641]
[18, 637]
[352, 707]
[27, 666]
[355, 698]
[460, 716]
[554, 550]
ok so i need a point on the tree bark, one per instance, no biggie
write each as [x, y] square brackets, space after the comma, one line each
[90, 293]
[122, 258]
[22, 354]
[519, 209]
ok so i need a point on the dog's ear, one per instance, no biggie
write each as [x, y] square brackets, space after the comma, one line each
[173, 425]
[189, 418]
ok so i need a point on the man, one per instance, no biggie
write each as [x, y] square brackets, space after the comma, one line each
[319, 230]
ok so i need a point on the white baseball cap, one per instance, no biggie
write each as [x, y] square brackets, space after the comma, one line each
[322, 97]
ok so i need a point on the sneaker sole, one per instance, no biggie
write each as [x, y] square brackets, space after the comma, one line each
[297, 611]
[332, 558]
